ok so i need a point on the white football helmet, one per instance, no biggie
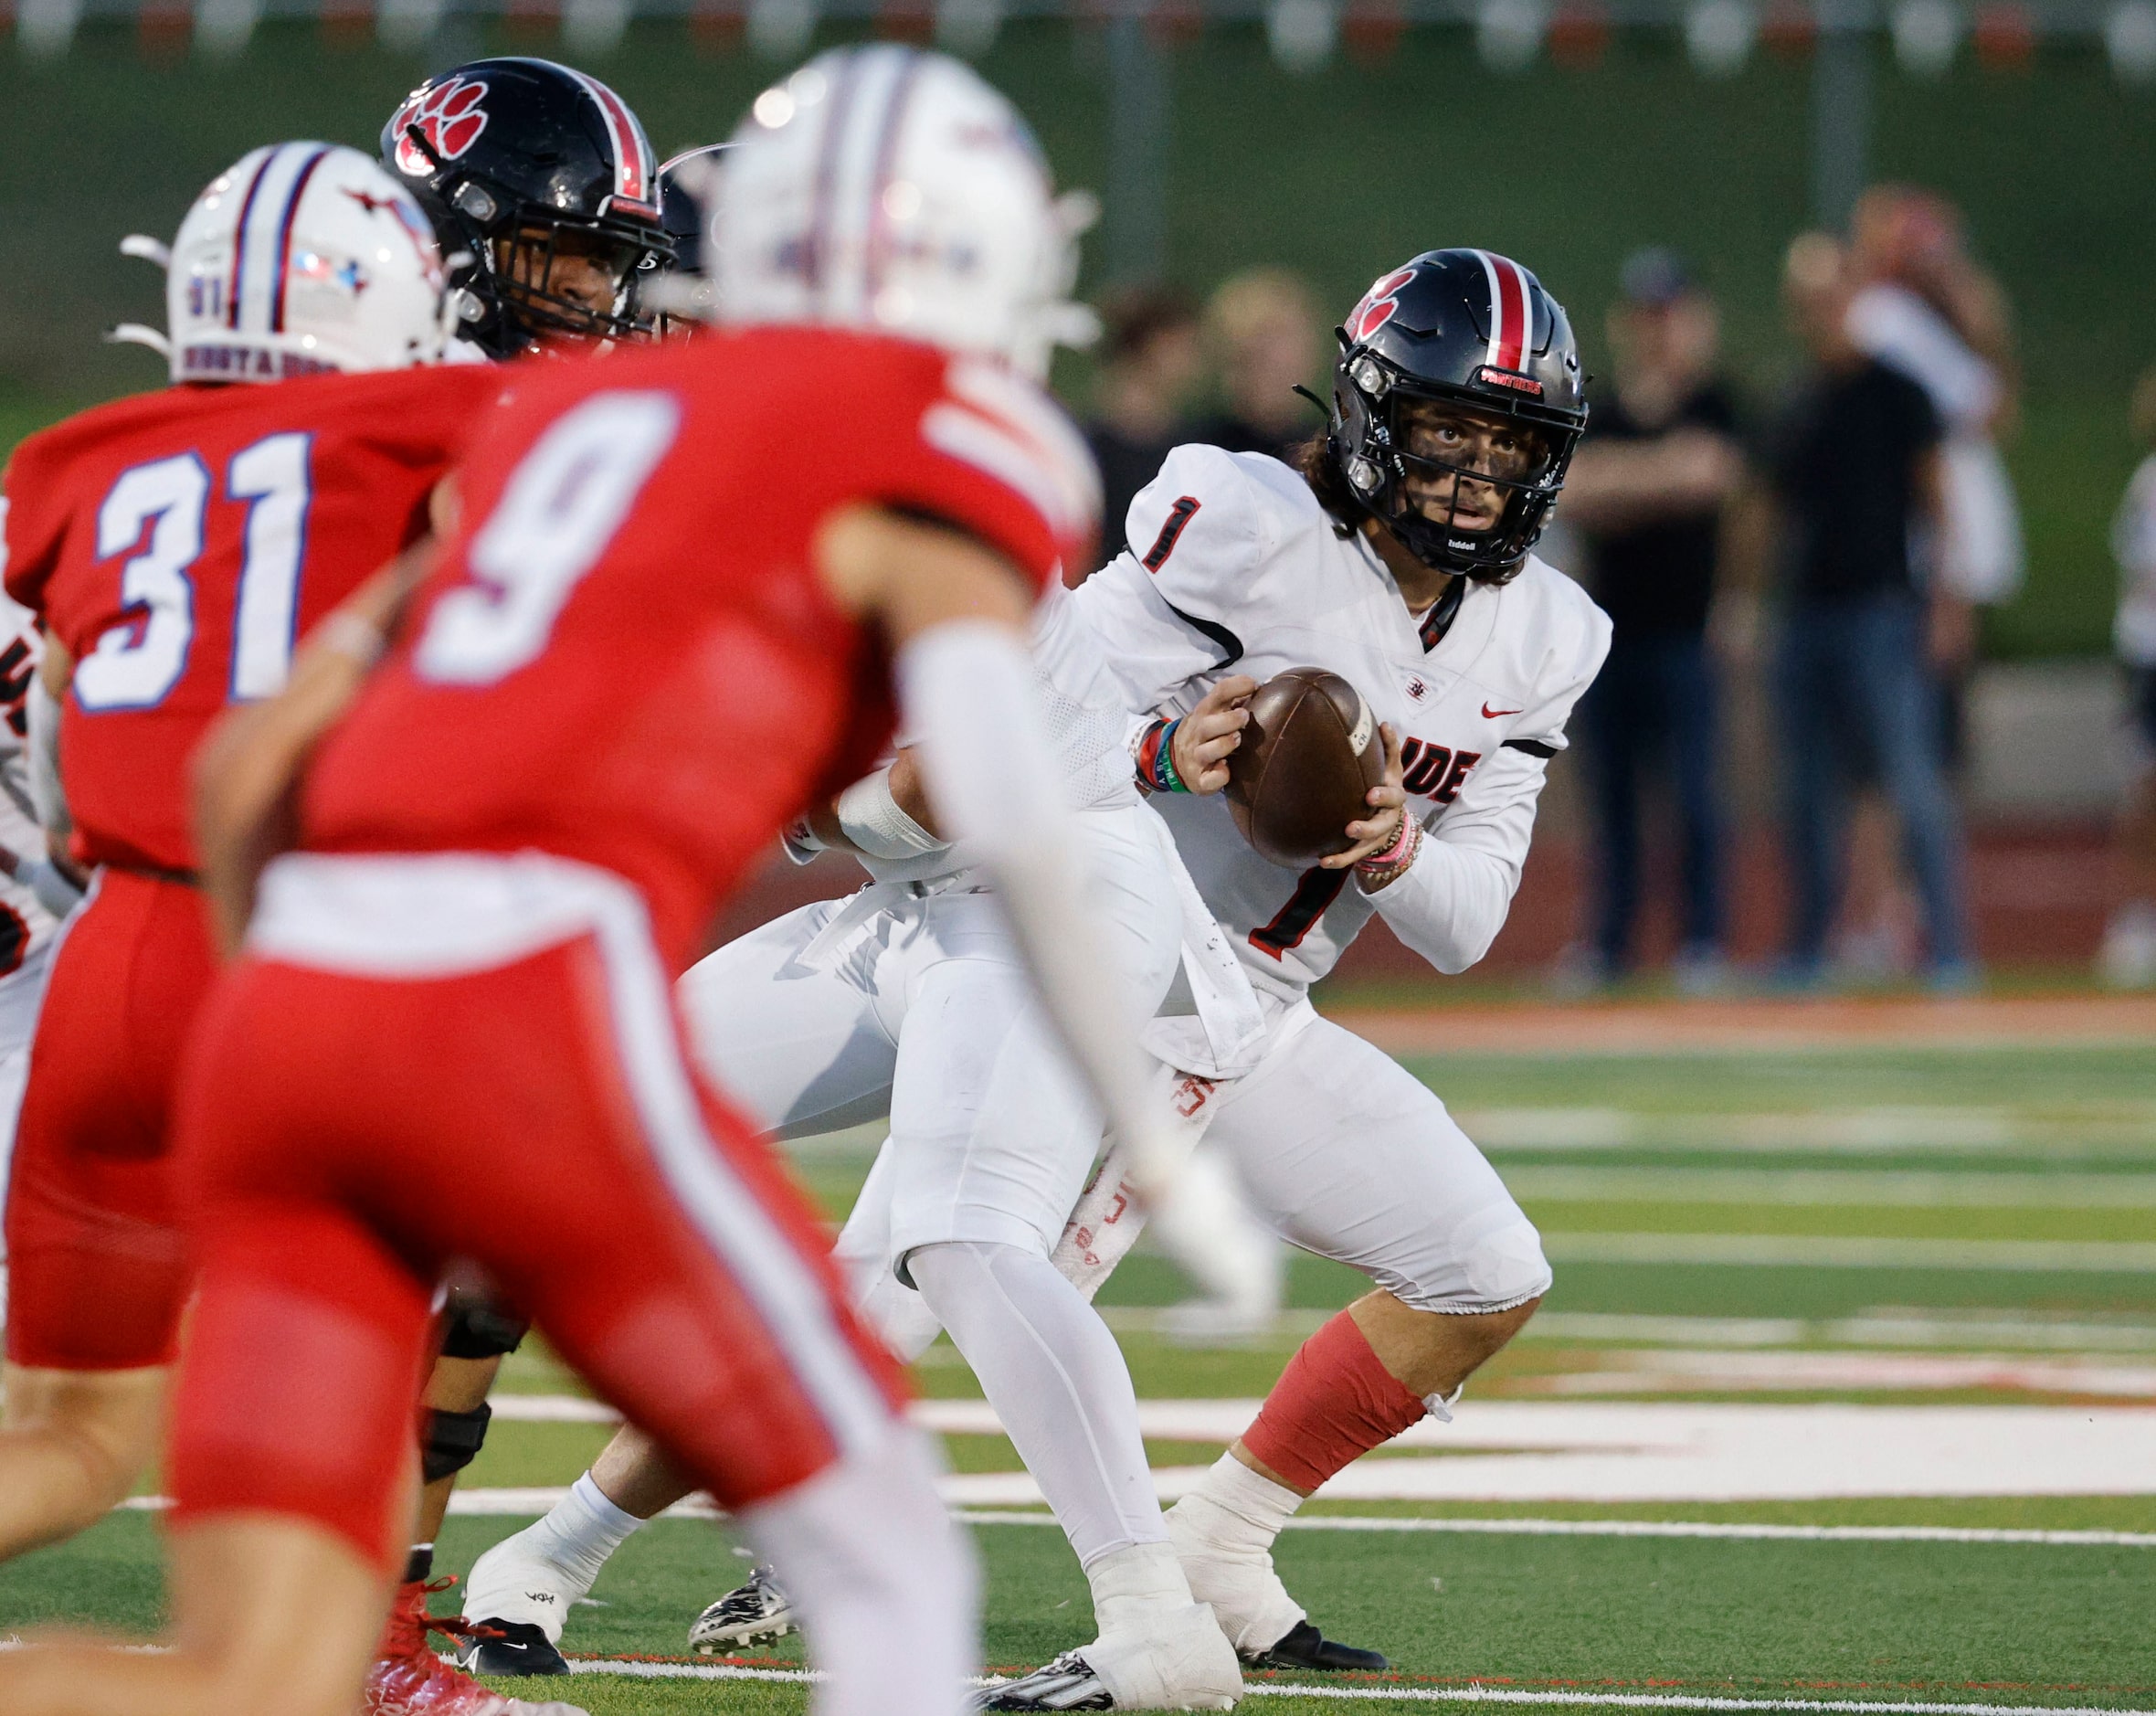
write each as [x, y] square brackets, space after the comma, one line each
[306, 257]
[885, 188]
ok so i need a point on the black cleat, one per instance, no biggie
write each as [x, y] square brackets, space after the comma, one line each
[511, 1647]
[1304, 1646]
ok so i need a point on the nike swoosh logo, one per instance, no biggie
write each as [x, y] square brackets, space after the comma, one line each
[1491, 714]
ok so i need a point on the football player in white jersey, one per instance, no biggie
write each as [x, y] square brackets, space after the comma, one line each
[36, 891]
[1398, 554]
[912, 996]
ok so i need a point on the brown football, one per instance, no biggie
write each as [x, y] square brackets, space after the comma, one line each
[1311, 752]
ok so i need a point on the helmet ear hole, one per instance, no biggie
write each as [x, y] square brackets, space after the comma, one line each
[471, 199]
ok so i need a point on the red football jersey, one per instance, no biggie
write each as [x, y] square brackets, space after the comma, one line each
[626, 658]
[178, 543]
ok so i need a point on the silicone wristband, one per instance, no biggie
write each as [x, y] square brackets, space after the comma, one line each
[1156, 759]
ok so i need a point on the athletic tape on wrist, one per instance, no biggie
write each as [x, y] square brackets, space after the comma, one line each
[352, 636]
[968, 694]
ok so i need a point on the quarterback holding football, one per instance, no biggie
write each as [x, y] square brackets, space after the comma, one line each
[1396, 553]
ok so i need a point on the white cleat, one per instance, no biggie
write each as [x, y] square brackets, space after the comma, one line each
[1183, 1661]
[758, 1609]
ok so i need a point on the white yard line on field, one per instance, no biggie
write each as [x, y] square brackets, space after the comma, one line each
[2072, 1133]
[1836, 1251]
[1421, 1694]
[1666, 1371]
[1738, 1531]
[551, 1409]
[1863, 1188]
[532, 1502]
[1758, 1026]
[1884, 1326]
[1512, 1450]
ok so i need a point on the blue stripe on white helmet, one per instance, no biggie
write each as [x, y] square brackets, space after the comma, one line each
[882, 188]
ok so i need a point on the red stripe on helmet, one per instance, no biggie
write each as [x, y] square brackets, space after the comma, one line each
[815, 254]
[1509, 313]
[633, 168]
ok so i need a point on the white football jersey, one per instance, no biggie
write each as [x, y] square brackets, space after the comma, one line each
[1233, 567]
[24, 925]
[1082, 703]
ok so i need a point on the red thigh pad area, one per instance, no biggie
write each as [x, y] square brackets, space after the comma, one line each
[497, 1116]
[98, 1270]
[299, 1393]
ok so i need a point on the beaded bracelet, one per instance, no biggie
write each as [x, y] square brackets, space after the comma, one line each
[1387, 867]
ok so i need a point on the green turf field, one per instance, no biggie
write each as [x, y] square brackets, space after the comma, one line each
[1905, 1147]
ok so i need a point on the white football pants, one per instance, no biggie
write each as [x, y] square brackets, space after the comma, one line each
[1350, 1156]
[22, 994]
[920, 1007]
[919, 1001]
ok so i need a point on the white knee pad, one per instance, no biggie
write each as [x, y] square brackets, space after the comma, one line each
[1489, 1261]
[1505, 1266]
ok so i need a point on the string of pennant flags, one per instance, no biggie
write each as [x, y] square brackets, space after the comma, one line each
[1927, 37]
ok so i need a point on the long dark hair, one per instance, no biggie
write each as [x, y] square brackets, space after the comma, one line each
[1312, 462]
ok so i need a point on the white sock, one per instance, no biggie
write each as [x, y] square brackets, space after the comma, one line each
[573, 1541]
[586, 1529]
[1235, 1507]
[1057, 1379]
[1133, 1586]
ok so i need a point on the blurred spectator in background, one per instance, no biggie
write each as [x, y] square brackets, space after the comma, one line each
[1645, 494]
[1265, 330]
[1151, 359]
[1857, 473]
[1924, 306]
[2129, 957]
